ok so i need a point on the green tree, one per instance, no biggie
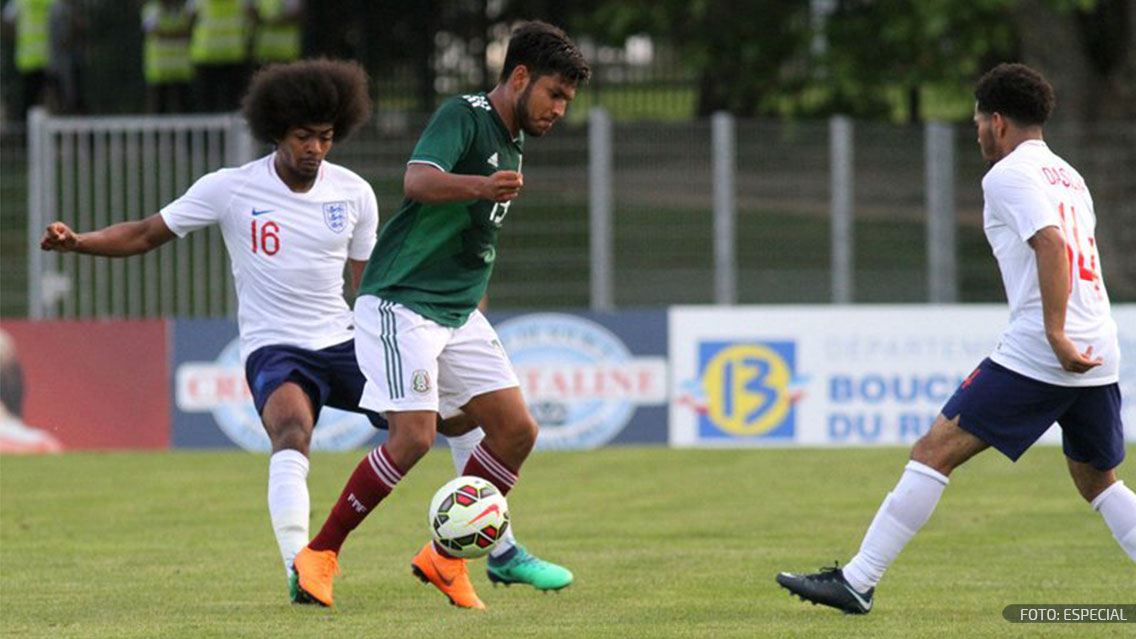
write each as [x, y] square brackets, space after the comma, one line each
[881, 48]
[879, 58]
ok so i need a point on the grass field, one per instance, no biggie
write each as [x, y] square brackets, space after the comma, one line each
[664, 543]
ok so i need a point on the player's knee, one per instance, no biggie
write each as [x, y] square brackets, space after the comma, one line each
[522, 436]
[414, 443]
[930, 453]
[1091, 485]
[289, 433]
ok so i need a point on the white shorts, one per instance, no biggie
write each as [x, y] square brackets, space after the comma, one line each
[414, 363]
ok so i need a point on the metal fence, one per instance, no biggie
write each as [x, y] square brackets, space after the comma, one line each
[93, 172]
[614, 214]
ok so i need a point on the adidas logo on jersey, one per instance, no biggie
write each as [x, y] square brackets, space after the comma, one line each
[477, 100]
[492, 160]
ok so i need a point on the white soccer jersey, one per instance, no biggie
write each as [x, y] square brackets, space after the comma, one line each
[288, 249]
[1026, 191]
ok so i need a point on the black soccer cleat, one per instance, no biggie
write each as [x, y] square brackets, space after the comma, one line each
[828, 587]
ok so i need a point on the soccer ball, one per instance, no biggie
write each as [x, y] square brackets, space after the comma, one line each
[468, 516]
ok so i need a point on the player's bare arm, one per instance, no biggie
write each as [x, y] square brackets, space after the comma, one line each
[118, 240]
[357, 268]
[1053, 278]
[428, 184]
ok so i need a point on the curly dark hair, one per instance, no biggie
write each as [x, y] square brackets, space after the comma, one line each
[543, 49]
[282, 96]
[1017, 92]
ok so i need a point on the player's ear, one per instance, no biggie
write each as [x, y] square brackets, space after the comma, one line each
[519, 79]
[997, 124]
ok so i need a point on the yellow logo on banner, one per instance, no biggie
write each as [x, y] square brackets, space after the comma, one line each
[747, 388]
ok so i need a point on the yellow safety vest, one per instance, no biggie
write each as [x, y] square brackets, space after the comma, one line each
[219, 35]
[275, 42]
[31, 35]
[166, 57]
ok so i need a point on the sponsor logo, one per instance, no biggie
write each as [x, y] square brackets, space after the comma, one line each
[256, 212]
[581, 382]
[356, 504]
[449, 581]
[493, 162]
[866, 605]
[335, 215]
[420, 382]
[477, 101]
[745, 389]
[492, 509]
[219, 387]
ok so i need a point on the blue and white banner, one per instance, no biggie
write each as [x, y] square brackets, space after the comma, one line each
[824, 375]
[590, 378]
[212, 402]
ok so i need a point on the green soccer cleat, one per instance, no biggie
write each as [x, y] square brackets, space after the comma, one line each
[520, 567]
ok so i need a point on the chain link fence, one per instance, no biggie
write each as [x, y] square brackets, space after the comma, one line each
[663, 221]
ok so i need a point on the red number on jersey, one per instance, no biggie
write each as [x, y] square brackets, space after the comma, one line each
[1087, 274]
[269, 241]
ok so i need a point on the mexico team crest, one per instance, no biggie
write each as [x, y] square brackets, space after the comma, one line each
[420, 382]
[335, 215]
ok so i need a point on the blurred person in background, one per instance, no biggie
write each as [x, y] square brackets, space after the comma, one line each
[219, 50]
[28, 20]
[277, 35]
[67, 28]
[166, 26]
[16, 437]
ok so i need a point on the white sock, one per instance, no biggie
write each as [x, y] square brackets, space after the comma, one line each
[461, 447]
[902, 514]
[1118, 506]
[288, 503]
[506, 544]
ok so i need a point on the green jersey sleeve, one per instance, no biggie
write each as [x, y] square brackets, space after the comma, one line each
[448, 135]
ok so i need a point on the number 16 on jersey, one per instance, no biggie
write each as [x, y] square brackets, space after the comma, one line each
[268, 241]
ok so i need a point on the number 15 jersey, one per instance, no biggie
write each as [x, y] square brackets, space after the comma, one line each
[288, 249]
[1026, 191]
[436, 259]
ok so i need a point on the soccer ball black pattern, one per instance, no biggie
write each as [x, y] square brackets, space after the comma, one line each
[468, 516]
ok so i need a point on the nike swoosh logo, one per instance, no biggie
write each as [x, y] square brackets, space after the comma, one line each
[492, 509]
[866, 605]
[438, 571]
[256, 212]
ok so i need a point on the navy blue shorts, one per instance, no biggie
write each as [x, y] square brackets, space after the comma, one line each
[1010, 411]
[330, 377]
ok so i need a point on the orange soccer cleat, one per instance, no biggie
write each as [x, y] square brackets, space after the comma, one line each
[448, 575]
[315, 570]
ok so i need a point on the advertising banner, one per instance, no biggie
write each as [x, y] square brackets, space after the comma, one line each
[590, 379]
[781, 375]
[82, 385]
[212, 403]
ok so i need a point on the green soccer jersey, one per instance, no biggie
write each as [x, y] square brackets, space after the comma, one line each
[435, 259]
